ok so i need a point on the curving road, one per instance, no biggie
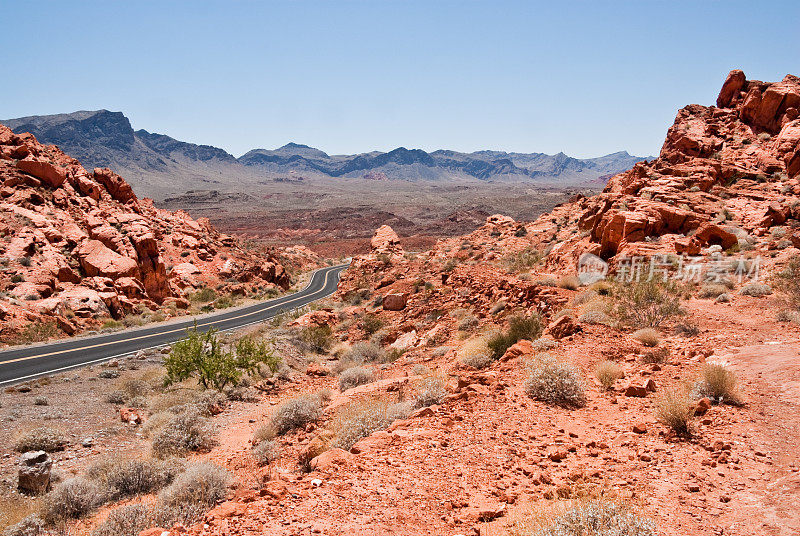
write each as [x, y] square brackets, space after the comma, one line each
[28, 362]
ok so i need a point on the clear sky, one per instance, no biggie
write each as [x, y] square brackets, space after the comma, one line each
[586, 78]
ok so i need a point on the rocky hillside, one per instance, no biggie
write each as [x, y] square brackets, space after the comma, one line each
[78, 247]
[159, 165]
[725, 176]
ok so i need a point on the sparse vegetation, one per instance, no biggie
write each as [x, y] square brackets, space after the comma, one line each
[201, 484]
[430, 392]
[718, 383]
[129, 520]
[359, 419]
[71, 499]
[788, 282]
[266, 452]
[475, 353]
[712, 290]
[371, 323]
[185, 432]
[647, 336]
[646, 304]
[674, 409]
[355, 376]
[756, 290]
[317, 337]
[43, 438]
[569, 282]
[295, 413]
[608, 372]
[523, 260]
[593, 517]
[555, 382]
[519, 327]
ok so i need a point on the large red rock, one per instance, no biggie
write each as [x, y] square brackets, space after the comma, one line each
[51, 175]
[395, 302]
[731, 88]
[119, 189]
[386, 242]
[97, 259]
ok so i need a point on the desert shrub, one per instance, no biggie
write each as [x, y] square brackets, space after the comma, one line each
[206, 403]
[250, 353]
[108, 374]
[545, 281]
[204, 295]
[134, 388]
[712, 290]
[584, 297]
[357, 420]
[171, 400]
[116, 397]
[475, 353]
[317, 337]
[201, 355]
[127, 520]
[757, 290]
[718, 383]
[31, 525]
[41, 401]
[468, 323]
[788, 315]
[430, 392]
[187, 431]
[295, 413]
[71, 499]
[137, 476]
[353, 377]
[594, 317]
[266, 452]
[569, 282]
[674, 409]
[543, 345]
[687, 329]
[519, 327]
[43, 438]
[555, 382]
[788, 282]
[364, 352]
[263, 433]
[371, 324]
[201, 484]
[608, 372]
[523, 260]
[723, 298]
[595, 517]
[647, 336]
[646, 304]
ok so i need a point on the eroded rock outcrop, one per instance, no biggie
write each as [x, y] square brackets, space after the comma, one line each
[79, 246]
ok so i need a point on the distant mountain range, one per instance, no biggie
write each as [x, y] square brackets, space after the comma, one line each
[158, 165]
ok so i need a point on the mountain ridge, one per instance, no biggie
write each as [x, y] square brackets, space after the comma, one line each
[159, 165]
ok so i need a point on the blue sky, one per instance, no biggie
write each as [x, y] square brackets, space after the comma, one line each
[586, 78]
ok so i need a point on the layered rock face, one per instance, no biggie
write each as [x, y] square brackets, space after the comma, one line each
[725, 175]
[78, 245]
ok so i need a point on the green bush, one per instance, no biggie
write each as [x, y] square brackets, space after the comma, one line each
[202, 355]
[519, 327]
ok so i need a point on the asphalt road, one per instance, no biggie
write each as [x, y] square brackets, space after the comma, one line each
[28, 362]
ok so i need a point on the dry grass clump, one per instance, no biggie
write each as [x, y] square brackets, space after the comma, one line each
[201, 484]
[656, 355]
[353, 377]
[127, 520]
[475, 353]
[594, 317]
[359, 419]
[43, 438]
[757, 290]
[592, 517]
[360, 353]
[608, 372]
[545, 281]
[712, 290]
[647, 336]
[569, 282]
[172, 399]
[266, 452]
[468, 323]
[429, 393]
[132, 477]
[185, 432]
[718, 383]
[71, 499]
[687, 329]
[295, 413]
[543, 345]
[674, 408]
[555, 382]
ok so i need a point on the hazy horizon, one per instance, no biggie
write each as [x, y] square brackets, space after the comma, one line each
[352, 77]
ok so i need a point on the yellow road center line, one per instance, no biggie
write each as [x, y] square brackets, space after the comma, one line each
[160, 333]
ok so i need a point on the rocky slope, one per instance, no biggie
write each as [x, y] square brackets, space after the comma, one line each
[78, 247]
[725, 176]
[160, 166]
